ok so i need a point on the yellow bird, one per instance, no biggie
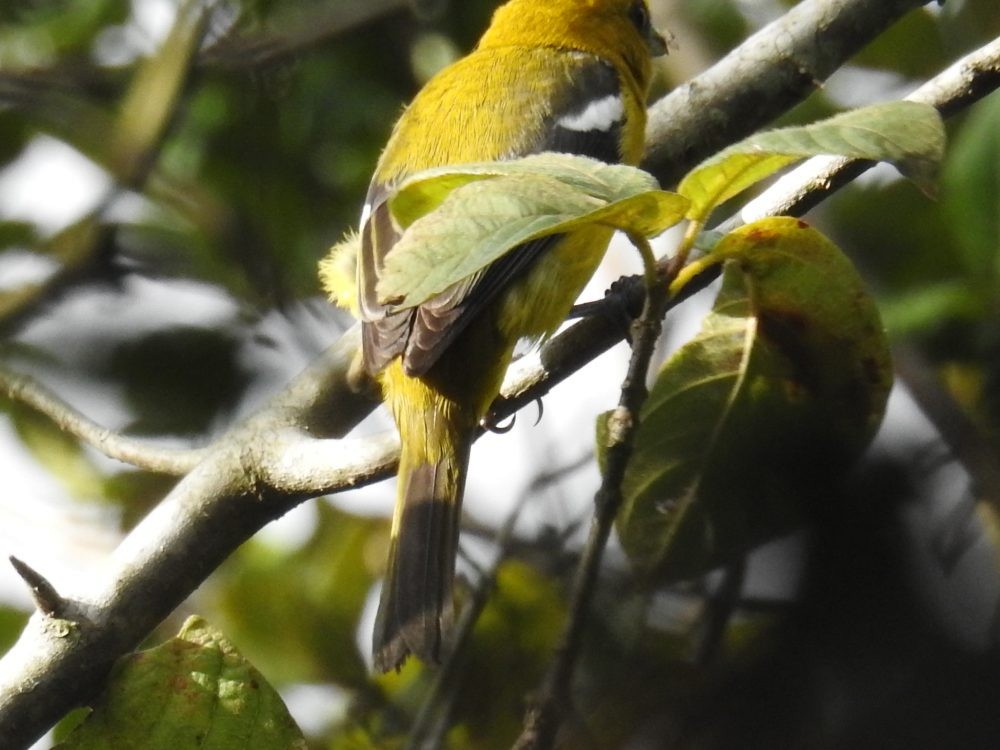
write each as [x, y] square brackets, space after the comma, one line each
[548, 75]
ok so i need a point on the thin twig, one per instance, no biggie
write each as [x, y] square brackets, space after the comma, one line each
[963, 437]
[172, 461]
[542, 720]
[718, 610]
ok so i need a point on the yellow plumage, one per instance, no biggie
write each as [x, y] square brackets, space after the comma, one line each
[563, 75]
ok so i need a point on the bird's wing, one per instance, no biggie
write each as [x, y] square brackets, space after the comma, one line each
[584, 115]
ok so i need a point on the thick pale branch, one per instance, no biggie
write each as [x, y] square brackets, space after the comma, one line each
[59, 663]
[222, 502]
[766, 75]
[295, 464]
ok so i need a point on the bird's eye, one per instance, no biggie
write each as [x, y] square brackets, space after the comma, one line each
[639, 15]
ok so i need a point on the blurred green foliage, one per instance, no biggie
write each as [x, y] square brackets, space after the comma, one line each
[257, 132]
[312, 595]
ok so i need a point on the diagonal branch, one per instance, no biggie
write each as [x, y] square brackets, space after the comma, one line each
[61, 663]
[769, 73]
[27, 391]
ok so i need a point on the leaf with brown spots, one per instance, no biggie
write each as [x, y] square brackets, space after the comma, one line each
[194, 692]
[782, 388]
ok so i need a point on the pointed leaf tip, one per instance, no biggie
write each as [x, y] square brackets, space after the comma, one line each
[907, 134]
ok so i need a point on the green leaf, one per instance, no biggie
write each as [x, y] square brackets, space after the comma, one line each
[423, 192]
[971, 184]
[907, 134]
[928, 307]
[784, 385]
[194, 692]
[458, 220]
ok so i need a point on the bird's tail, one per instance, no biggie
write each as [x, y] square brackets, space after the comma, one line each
[416, 595]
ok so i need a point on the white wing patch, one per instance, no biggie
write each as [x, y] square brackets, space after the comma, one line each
[601, 114]
[366, 212]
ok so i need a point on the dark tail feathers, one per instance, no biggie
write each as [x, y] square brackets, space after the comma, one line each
[415, 607]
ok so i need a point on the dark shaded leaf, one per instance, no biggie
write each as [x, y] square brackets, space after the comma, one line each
[785, 383]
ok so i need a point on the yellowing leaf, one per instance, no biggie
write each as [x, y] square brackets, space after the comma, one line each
[784, 385]
[194, 692]
[907, 134]
[458, 220]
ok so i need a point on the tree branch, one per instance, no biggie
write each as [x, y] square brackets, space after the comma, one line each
[244, 481]
[59, 663]
[27, 391]
[542, 720]
[766, 75]
[292, 35]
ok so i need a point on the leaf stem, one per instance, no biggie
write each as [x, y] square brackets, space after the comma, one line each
[691, 271]
[679, 258]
